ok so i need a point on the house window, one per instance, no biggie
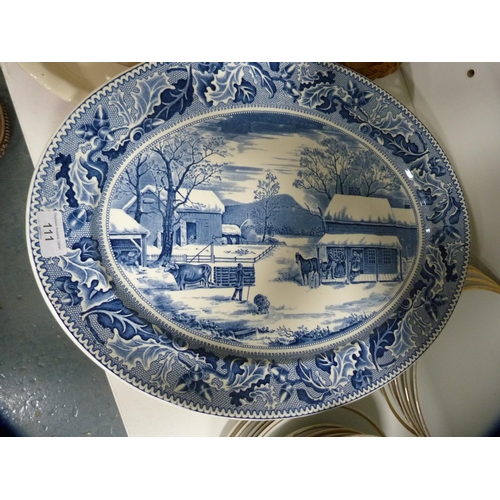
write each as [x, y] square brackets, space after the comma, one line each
[387, 256]
[336, 254]
[372, 256]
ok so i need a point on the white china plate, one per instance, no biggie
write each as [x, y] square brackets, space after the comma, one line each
[253, 240]
[74, 81]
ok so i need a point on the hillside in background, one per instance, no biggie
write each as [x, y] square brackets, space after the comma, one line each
[290, 219]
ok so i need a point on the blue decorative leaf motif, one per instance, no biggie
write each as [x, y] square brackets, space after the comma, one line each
[225, 84]
[307, 377]
[361, 378]
[175, 99]
[305, 396]
[246, 93]
[69, 290]
[425, 196]
[117, 99]
[210, 67]
[187, 384]
[456, 209]
[92, 298]
[147, 95]
[280, 373]
[65, 161]
[325, 360]
[165, 367]
[249, 373]
[341, 373]
[305, 74]
[356, 97]
[89, 249]
[321, 97]
[216, 84]
[248, 394]
[83, 176]
[95, 168]
[401, 148]
[60, 198]
[286, 392]
[382, 339]
[84, 272]
[266, 393]
[452, 249]
[435, 269]
[433, 191]
[115, 316]
[137, 350]
[406, 333]
[363, 359]
[388, 123]
[202, 81]
[258, 73]
[436, 167]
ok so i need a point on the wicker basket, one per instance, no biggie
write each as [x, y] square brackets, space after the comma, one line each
[373, 70]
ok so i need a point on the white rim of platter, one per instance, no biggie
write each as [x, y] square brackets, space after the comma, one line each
[249, 240]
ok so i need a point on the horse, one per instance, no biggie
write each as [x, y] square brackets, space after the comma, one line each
[307, 266]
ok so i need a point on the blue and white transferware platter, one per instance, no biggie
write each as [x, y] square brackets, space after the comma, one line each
[254, 240]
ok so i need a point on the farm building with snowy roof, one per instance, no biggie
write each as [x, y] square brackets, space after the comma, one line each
[199, 218]
[366, 239]
[127, 238]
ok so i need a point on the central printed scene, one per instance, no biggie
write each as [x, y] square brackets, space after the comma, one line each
[264, 230]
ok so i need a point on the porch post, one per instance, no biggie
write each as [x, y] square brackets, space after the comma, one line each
[400, 266]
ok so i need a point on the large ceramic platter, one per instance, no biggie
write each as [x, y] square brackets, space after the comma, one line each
[256, 240]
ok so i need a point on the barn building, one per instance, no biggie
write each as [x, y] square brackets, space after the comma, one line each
[127, 237]
[199, 219]
[366, 239]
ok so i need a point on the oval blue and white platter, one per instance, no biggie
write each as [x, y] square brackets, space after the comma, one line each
[251, 240]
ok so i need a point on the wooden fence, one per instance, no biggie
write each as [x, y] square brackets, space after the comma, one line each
[225, 277]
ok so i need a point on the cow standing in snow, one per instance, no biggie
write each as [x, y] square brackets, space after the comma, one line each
[190, 274]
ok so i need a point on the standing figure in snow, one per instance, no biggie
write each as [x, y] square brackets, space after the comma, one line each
[240, 280]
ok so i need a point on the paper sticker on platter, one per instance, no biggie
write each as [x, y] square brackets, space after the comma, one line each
[51, 230]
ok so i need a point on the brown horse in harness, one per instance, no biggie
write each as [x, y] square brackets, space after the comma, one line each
[307, 266]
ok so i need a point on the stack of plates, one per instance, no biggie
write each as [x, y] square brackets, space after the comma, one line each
[459, 377]
[455, 392]
[340, 422]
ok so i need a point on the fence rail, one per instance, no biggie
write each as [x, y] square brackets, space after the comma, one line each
[214, 259]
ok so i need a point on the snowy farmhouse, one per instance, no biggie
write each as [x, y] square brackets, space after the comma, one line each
[198, 221]
[366, 239]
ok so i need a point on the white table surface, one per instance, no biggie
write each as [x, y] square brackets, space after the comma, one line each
[463, 114]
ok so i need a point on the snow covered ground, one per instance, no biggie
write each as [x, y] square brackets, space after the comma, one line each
[297, 313]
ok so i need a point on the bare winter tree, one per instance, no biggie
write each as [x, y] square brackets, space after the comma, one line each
[184, 163]
[133, 182]
[373, 175]
[334, 169]
[267, 203]
[326, 170]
